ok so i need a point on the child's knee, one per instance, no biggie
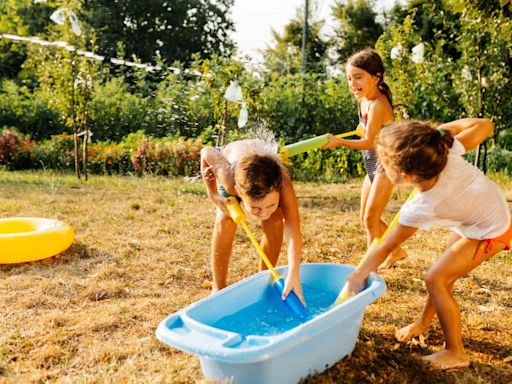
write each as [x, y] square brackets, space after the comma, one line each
[224, 221]
[370, 219]
[435, 279]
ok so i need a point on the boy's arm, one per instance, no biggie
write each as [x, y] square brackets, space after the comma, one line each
[395, 237]
[290, 209]
[470, 131]
[215, 166]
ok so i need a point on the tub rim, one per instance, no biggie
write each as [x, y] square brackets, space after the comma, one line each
[277, 344]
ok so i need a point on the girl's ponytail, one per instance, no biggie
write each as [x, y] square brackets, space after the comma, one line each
[384, 89]
[446, 137]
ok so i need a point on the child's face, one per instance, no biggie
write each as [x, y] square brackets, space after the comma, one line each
[361, 83]
[262, 208]
[391, 172]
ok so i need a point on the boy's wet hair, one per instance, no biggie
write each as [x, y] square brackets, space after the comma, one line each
[370, 61]
[257, 175]
[414, 147]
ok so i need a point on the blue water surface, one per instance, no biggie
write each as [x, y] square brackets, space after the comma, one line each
[270, 316]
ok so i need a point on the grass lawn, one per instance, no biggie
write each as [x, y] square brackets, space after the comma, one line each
[142, 252]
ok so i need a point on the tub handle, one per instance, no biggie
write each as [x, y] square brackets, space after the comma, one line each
[185, 333]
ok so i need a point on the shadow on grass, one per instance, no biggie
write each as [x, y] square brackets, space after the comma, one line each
[378, 358]
[496, 350]
[79, 254]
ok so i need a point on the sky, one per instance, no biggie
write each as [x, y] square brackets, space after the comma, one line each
[255, 19]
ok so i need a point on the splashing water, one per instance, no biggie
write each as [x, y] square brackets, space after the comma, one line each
[266, 138]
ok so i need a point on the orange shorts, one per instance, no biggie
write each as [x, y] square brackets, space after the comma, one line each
[487, 245]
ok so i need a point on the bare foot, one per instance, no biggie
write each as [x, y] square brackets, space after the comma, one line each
[397, 255]
[446, 359]
[406, 333]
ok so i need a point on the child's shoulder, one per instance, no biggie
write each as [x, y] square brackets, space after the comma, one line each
[381, 107]
[381, 102]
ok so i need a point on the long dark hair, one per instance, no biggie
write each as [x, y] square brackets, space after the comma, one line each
[370, 61]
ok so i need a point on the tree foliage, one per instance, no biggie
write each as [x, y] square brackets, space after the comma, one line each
[170, 30]
[357, 29]
[286, 54]
[156, 30]
[20, 17]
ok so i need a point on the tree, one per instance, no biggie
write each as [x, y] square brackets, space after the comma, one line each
[433, 21]
[482, 78]
[172, 30]
[66, 78]
[20, 17]
[357, 28]
[285, 56]
[467, 62]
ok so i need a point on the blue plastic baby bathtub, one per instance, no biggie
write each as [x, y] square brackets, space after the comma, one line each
[245, 334]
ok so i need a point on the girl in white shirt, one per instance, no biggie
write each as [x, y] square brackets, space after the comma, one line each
[451, 193]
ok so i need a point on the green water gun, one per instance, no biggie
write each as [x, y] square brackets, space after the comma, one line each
[314, 143]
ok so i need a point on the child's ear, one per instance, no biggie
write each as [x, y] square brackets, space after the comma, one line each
[407, 177]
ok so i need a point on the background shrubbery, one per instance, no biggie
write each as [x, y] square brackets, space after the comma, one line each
[136, 154]
[141, 154]
[153, 121]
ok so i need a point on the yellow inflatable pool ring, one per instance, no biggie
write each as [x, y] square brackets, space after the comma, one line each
[25, 239]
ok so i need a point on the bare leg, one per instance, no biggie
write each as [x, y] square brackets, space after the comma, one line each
[378, 197]
[272, 239]
[222, 243]
[420, 326]
[365, 192]
[456, 262]
[423, 322]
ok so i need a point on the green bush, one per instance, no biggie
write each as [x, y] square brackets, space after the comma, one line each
[499, 160]
[327, 165]
[27, 112]
[53, 153]
[300, 106]
[116, 112]
[504, 140]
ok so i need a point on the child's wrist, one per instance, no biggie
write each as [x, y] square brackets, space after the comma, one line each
[294, 269]
[358, 275]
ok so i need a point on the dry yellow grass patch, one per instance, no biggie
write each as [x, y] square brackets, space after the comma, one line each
[141, 253]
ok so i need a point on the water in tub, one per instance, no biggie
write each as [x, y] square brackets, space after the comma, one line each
[271, 317]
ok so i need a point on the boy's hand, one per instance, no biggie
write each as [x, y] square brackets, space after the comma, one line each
[448, 127]
[292, 283]
[220, 201]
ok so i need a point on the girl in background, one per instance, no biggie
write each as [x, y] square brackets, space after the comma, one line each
[365, 75]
